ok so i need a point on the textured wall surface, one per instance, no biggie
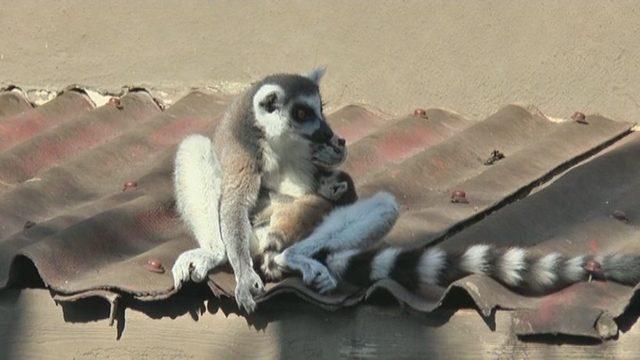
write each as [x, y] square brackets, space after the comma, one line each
[469, 56]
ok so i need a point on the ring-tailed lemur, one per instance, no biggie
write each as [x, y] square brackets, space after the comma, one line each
[274, 137]
[348, 225]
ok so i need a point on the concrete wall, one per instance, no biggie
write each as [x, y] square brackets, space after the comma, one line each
[468, 56]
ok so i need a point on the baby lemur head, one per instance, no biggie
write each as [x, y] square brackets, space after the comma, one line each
[337, 187]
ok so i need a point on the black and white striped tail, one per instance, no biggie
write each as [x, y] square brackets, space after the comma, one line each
[515, 267]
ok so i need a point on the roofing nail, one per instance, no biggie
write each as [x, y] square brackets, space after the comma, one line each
[420, 113]
[620, 215]
[459, 197]
[114, 101]
[129, 185]
[495, 156]
[28, 225]
[154, 265]
[593, 268]
[579, 118]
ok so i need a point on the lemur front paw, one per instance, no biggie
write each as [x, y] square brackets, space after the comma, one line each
[193, 264]
[248, 286]
[329, 155]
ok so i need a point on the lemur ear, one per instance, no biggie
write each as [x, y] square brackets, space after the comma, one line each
[270, 102]
[316, 74]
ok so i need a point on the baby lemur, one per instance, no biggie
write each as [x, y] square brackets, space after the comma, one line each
[293, 219]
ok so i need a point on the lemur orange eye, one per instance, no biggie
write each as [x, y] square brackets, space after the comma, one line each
[301, 114]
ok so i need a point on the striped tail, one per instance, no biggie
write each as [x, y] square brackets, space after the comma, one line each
[517, 268]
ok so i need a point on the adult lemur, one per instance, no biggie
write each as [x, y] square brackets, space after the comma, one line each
[273, 138]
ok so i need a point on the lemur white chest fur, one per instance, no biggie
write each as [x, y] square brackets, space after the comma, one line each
[288, 170]
[287, 164]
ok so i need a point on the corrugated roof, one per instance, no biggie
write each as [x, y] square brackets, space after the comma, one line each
[86, 195]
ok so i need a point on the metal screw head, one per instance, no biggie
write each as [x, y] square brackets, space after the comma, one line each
[620, 215]
[28, 225]
[422, 113]
[459, 197]
[579, 118]
[495, 156]
[129, 185]
[154, 265]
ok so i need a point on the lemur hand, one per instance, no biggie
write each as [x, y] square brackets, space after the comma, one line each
[248, 286]
[329, 155]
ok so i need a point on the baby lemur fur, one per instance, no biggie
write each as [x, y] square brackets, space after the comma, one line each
[293, 219]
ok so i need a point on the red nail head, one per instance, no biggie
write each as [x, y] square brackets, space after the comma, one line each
[593, 267]
[129, 185]
[579, 118]
[420, 113]
[459, 196]
[154, 265]
[116, 102]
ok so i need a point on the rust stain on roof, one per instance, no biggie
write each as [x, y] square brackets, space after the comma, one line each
[94, 186]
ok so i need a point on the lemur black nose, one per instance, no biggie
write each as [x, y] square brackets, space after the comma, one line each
[323, 134]
[341, 142]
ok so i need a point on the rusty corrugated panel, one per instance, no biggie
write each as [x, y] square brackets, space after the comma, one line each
[354, 122]
[533, 146]
[12, 102]
[401, 140]
[21, 126]
[92, 214]
[80, 204]
[101, 171]
[52, 146]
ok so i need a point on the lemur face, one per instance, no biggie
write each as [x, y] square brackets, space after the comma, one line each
[289, 107]
[337, 187]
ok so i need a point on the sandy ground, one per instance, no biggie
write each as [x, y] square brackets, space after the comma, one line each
[471, 57]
